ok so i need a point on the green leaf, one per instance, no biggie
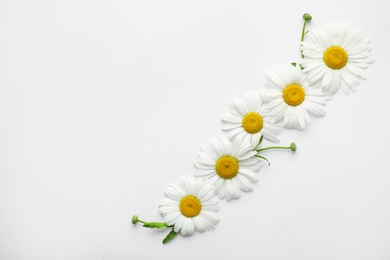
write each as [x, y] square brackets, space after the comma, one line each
[294, 64]
[169, 237]
[262, 157]
[155, 225]
[261, 139]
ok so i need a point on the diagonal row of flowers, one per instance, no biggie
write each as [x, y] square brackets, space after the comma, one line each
[333, 59]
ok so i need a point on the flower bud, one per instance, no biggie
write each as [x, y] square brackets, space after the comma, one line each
[134, 220]
[307, 17]
[293, 147]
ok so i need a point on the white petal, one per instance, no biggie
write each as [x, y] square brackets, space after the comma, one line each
[235, 132]
[179, 224]
[356, 71]
[225, 146]
[229, 126]
[174, 192]
[204, 166]
[188, 227]
[199, 223]
[198, 185]
[172, 218]
[232, 189]
[205, 159]
[288, 114]
[170, 202]
[222, 191]
[271, 94]
[301, 118]
[215, 144]
[246, 155]
[212, 208]
[250, 175]
[205, 196]
[252, 101]
[231, 119]
[212, 217]
[238, 105]
[327, 79]
[273, 81]
[213, 201]
[315, 109]
[209, 150]
[244, 184]
[239, 148]
[270, 137]
[204, 173]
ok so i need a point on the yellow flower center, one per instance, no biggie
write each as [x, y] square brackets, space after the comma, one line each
[293, 94]
[335, 57]
[190, 206]
[252, 123]
[227, 167]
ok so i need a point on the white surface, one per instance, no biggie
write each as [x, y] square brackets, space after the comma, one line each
[104, 103]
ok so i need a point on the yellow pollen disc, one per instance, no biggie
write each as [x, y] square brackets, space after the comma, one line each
[252, 123]
[293, 94]
[335, 57]
[227, 167]
[190, 206]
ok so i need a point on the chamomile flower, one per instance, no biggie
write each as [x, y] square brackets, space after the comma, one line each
[248, 120]
[229, 166]
[189, 207]
[336, 56]
[290, 98]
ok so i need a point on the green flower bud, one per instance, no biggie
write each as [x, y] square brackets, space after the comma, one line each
[134, 220]
[307, 17]
[293, 147]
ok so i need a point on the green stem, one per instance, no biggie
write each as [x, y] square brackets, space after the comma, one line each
[135, 220]
[303, 36]
[274, 147]
[292, 147]
[307, 18]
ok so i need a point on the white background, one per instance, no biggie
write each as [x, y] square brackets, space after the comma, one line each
[105, 103]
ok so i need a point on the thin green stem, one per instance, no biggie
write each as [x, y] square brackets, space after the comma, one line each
[274, 147]
[303, 36]
[307, 18]
[135, 220]
[292, 147]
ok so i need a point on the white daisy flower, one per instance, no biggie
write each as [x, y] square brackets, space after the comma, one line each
[336, 56]
[290, 98]
[248, 120]
[190, 207]
[229, 166]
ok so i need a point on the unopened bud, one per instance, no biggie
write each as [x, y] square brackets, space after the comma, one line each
[307, 17]
[293, 147]
[134, 220]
